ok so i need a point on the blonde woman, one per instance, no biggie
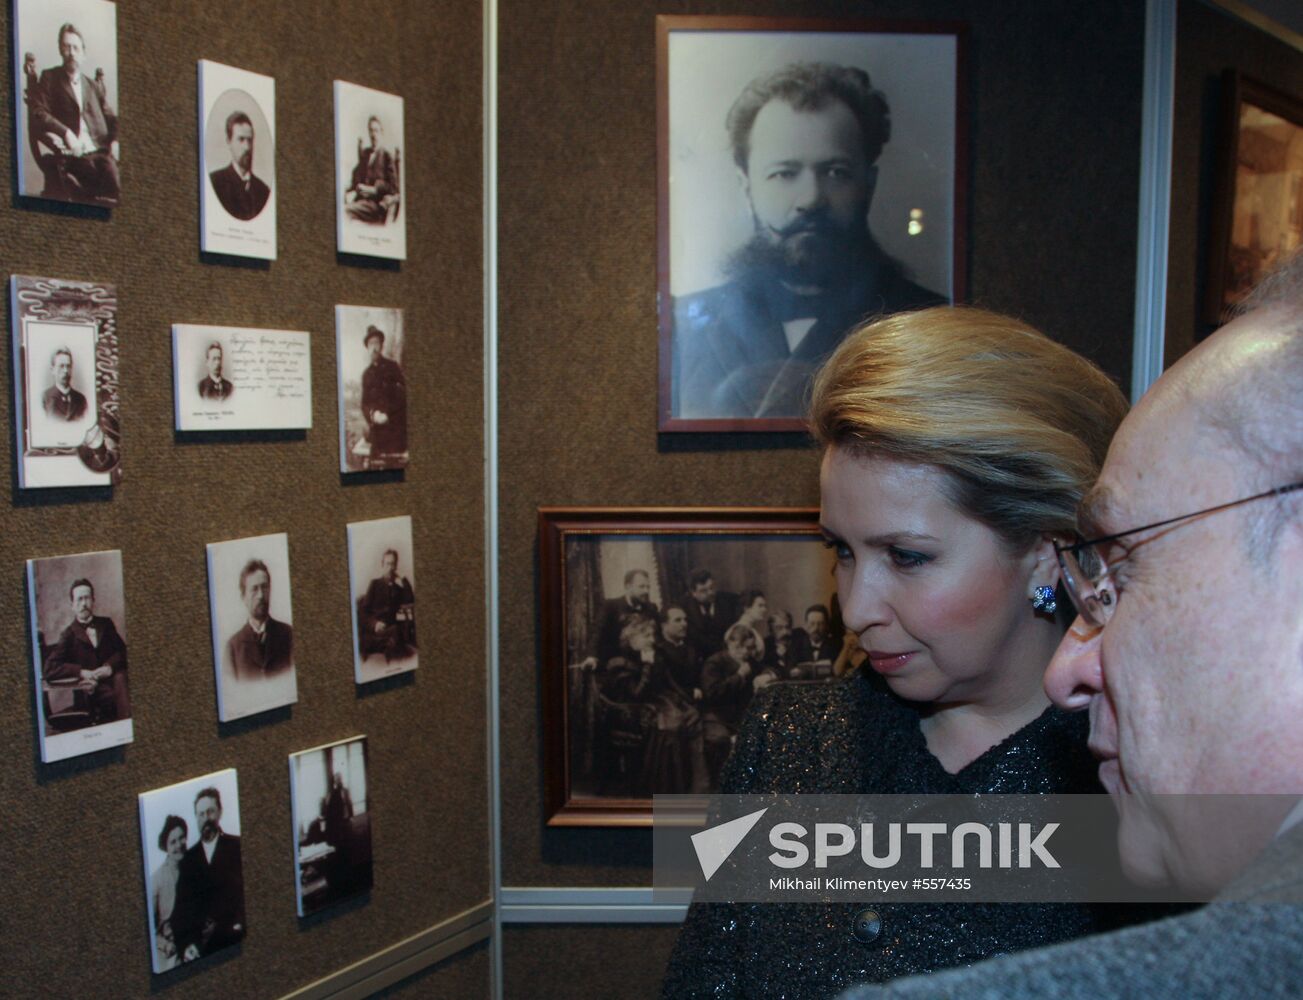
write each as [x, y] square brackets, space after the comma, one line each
[957, 443]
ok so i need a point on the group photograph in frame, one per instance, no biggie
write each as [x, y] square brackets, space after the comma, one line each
[79, 651]
[369, 355]
[1257, 211]
[66, 394]
[809, 178]
[66, 110]
[237, 161]
[332, 824]
[194, 868]
[252, 624]
[234, 378]
[659, 626]
[383, 606]
[370, 184]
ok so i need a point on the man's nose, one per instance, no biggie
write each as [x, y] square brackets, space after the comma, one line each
[810, 194]
[1075, 675]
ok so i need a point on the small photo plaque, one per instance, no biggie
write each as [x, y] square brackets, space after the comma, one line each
[332, 824]
[79, 650]
[237, 161]
[229, 378]
[194, 869]
[370, 183]
[253, 625]
[66, 382]
[383, 597]
[370, 353]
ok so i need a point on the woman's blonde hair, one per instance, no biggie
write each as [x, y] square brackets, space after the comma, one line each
[1019, 423]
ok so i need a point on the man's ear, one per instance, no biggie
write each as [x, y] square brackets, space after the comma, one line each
[744, 185]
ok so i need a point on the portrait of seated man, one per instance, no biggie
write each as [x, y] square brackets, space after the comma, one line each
[61, 401]
[91, 653]
[242, 193]
[373, 189]
[213, 387]
[263, 647]
[72, 127]
[386, 614]
[805, 142]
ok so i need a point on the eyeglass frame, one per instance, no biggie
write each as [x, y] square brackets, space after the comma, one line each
[1082, 601]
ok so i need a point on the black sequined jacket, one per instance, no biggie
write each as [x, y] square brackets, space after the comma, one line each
[855, 737]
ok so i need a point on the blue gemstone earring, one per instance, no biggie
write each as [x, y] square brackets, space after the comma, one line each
[1043, 600]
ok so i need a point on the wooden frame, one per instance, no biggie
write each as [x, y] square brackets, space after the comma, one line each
[1261, 128]
[794, 577]
[914, 195]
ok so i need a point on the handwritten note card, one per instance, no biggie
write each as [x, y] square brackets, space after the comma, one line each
[236, 378]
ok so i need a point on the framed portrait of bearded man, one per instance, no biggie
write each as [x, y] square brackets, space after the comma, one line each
[809, 179]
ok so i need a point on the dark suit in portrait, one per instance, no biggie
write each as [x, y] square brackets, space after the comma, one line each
[77, 650]
[54, 107]
[615, 614]
[385, 389]
[375, 168]
[388, 604]
[807, 651]
[60, 406]
[732, 358]
[215, 391]
[707, 625]
[250, 657]
[209, 911]
[725, 695]
[244, 200]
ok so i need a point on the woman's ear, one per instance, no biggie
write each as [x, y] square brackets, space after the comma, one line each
[1045, 567]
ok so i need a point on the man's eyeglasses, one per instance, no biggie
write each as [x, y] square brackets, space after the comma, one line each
[1086, 574]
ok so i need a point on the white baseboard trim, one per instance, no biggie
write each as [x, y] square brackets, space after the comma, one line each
[397, 962]
[575, 905]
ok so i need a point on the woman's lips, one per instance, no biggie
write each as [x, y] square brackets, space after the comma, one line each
[889, 663]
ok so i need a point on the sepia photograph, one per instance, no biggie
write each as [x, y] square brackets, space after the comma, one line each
[383, 597]
[194, 872]
[332, 824]
[65, 382]
[370, 192]
[66, 120]
[808, 179]
[79, 650]
[237, 161]
[659, 627]
[1257, 214]
[232, 378]
[369, 354]
[253, 626]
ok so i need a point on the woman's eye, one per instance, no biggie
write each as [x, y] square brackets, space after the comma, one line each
[907, 559]
[840, 549]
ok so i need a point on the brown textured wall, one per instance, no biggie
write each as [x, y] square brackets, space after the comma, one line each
[1208, 41]
[73, 916]
[564, 961]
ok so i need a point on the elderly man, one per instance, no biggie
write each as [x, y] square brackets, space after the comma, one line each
[728, 681]
[1188, 651]
[91, 652]
[805, 140]
[374, 184]
[209, 911]
[243, 194]
[69, 114]
[61, 401]
[263, 647]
